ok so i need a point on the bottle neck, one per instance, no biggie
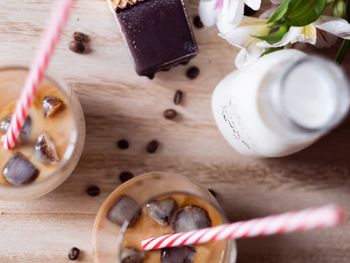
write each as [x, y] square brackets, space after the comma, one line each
[306, 97]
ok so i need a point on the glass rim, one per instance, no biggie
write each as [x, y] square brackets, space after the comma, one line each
[231, 244]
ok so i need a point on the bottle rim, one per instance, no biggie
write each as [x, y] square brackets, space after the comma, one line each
[341, 95]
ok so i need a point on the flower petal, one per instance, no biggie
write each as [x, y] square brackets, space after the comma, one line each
[248, 54]
[253, 4]
[276, 2]
[231, 15]
[307, 34]
[208, 12]
[325, 39]
[336, 26]
[240, 36]
[268, 13]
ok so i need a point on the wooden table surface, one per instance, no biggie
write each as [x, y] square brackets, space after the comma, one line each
[119, 104]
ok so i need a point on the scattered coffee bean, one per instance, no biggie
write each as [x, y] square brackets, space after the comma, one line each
[93, 190]
[170, 114]
[77, 47]
[81, 37]
[152, 146]
[123, 144]
[212, 192]
[248, 11]
[74, 253]
[192, 72]
[178, 97]
[197, 22]
[125, 176]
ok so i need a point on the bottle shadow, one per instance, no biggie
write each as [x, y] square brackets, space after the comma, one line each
[325, 164]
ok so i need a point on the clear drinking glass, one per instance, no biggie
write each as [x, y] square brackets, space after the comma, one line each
[109, 237]
[12, 78]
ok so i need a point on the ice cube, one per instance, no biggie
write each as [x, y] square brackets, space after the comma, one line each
[161, 211]
[45, 150]
[26, 130]
[51, 105]
[178, 255]
[191, 218]
[20, 171]
[132, 255]
[125, 209]
[5, 124]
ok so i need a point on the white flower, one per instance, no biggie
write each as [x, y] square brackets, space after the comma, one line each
[243, 38]
[227, 14]
[306, 34]
[252, 48]
[336, 26]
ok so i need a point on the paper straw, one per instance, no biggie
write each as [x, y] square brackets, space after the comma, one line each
[316, 218]
[39, 66]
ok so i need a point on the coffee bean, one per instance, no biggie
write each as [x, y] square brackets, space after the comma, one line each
[74, 253]
[125, 176]
[192, 72]
[81, 37]
[248, 11]
[178, 97]
[170, 114]
[197, 22]
[212, 192]
[152, 146]
[123, 144]
[77, 47]
[93, 190]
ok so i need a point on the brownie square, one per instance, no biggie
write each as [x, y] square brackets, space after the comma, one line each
[158, 34]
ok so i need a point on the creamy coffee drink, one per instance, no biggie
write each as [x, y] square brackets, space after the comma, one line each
[50, 142]
[154, 205]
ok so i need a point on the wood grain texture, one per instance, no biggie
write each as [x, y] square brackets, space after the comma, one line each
[119, 104]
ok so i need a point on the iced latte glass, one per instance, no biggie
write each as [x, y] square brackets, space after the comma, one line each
[153, 205]
[50, 143]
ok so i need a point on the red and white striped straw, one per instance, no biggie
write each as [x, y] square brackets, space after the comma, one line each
[316, 218]
[54, 28]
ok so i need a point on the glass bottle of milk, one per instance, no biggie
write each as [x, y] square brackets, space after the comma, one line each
[280, 104]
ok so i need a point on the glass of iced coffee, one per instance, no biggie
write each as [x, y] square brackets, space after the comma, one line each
[51, 141]
[152, 205]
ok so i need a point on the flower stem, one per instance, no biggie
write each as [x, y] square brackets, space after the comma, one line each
[345, 46]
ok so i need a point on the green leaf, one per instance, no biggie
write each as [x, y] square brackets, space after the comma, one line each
[279, 13]
[302, 13]
[275, 35]
[298, 12]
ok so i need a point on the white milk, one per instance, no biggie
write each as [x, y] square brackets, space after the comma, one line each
[280, 104]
